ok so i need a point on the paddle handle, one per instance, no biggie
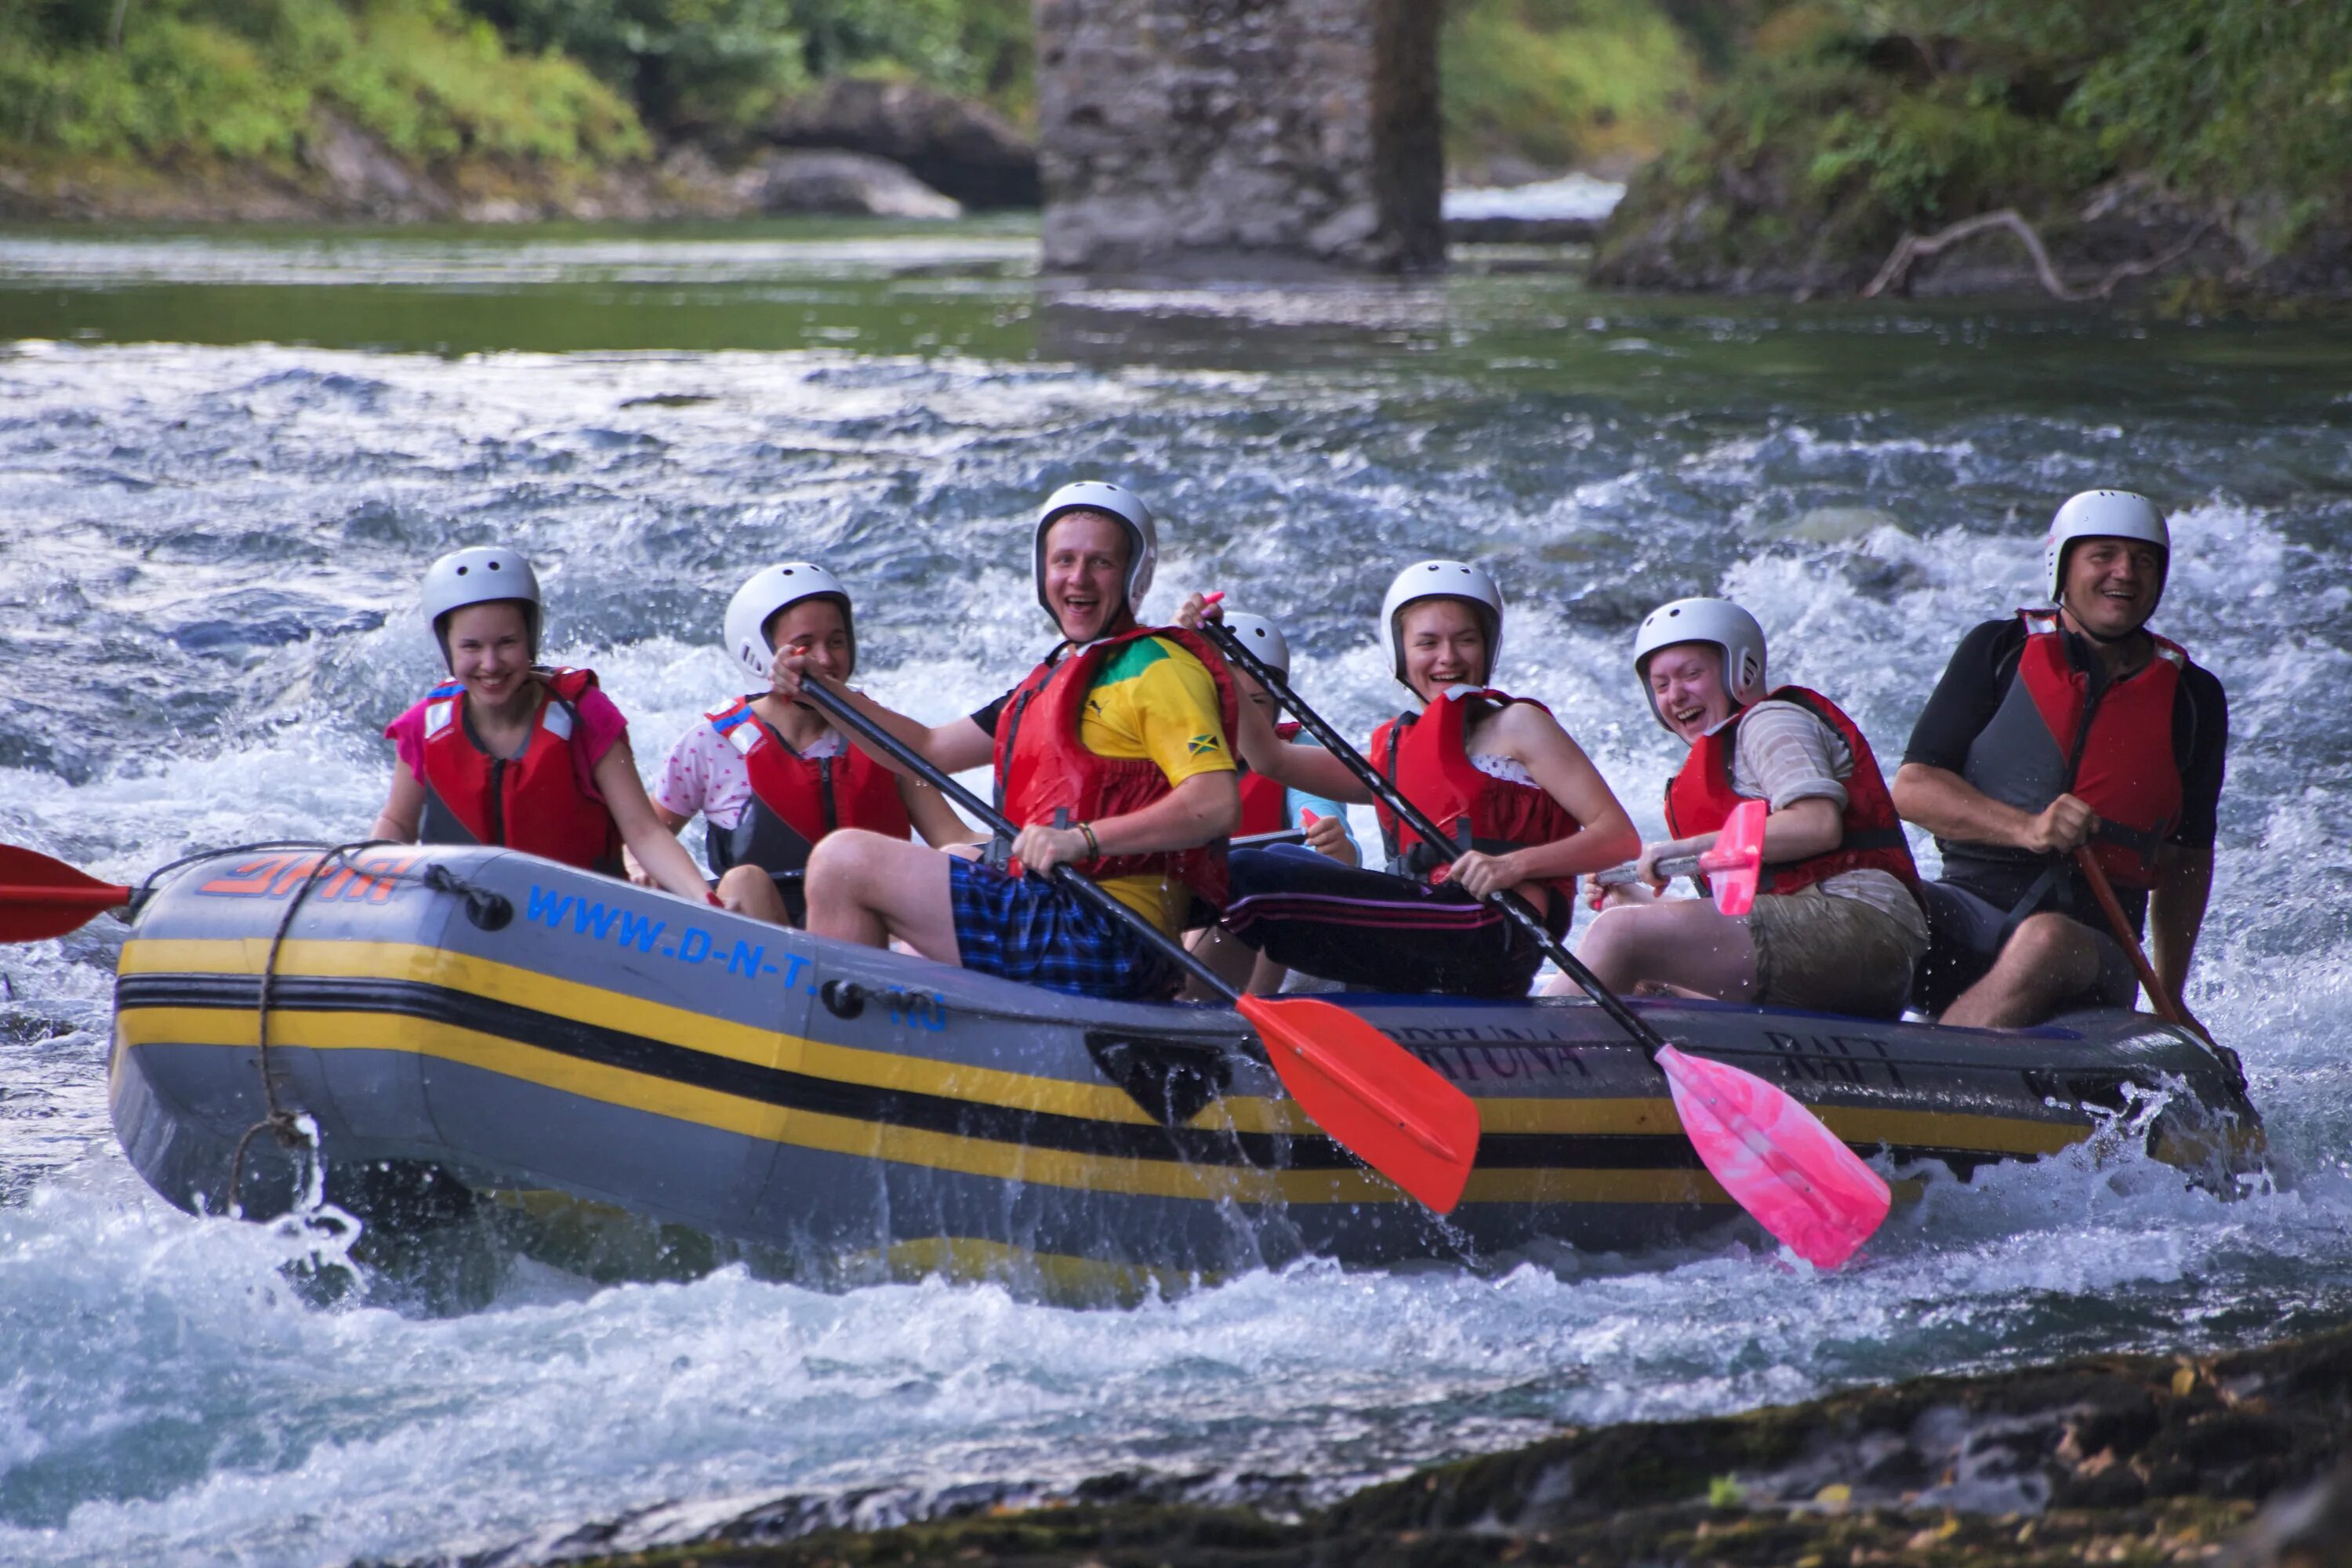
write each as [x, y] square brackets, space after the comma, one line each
[2086, 862]
[1413, 817]
[873, 734]
[1673, 866]
[96, 896]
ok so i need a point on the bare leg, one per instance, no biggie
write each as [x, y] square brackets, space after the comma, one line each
[2048, 958]
[1266, 977]
[749, 891]
[1233, 961]
[1683, 943]
[866, 889]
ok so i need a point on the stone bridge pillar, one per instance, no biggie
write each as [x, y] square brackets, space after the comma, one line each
[1210, 136]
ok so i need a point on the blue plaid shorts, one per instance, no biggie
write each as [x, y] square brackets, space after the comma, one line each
[1037, 932]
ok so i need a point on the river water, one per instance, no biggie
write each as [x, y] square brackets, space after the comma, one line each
[226, 458]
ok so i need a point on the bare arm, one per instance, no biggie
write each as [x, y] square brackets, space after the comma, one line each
[951, 747]
[2176, 911]
[1204, 807]
[403, 808]
[1554, 761]
[629, 861]
[653, 842]
[1948, 807]
[934, 817]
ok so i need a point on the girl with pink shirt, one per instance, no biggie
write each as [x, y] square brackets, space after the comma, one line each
[509, 752]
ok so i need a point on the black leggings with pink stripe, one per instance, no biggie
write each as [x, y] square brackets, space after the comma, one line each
[1375, 930]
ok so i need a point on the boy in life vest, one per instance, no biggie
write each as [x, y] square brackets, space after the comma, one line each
[2049, 731]
[1495, 769]
[506, 752]
[1112, 756]
[1268, 806]
[1836, 925]
[769, 776]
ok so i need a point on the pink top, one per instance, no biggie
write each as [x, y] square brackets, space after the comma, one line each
[705, 773]
[600, 720]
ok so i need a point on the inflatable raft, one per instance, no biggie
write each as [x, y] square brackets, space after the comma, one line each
[479, 1022]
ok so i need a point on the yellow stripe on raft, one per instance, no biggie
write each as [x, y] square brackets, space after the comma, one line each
[702, 1032]
[655, 1021]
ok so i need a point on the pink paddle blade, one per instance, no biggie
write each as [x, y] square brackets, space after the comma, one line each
[1733, 865]
[1776, 1159]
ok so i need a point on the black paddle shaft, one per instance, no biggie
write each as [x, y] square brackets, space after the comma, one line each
[1415, 818]
[991, 818]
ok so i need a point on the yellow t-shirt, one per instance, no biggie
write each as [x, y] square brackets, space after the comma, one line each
[1152, 698]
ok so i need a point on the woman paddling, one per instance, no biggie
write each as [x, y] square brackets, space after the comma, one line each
[1836, 925]
[767, 774]
[1480, 761]
[508, 753]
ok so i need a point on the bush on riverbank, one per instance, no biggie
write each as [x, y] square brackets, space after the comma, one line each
[153, 79]
[1551, 84]
[2122, 131]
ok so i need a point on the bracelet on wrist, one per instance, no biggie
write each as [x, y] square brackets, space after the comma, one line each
[1094, 847]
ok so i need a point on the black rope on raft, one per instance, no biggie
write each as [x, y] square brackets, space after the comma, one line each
[280, 1122]
[147, 887]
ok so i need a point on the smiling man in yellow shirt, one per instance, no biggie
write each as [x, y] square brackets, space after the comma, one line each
[1114, 755]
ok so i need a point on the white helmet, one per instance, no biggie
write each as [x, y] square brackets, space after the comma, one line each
[1442, 579]
[2102, 514]
[1118, 501]
[773, 589]
[1716, 621]
[1262, 638]
[479, 575]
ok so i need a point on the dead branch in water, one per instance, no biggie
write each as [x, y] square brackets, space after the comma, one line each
[1913, 246]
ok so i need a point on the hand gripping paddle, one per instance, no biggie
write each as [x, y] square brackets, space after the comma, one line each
[1370, 1095]
[1771, 1155]
[41, 898]
[1731, 868]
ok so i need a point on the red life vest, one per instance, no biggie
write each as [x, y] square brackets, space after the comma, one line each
[1045, 773]
[1427, 757]
[797, 800]
[1263, 798]
[2110, 746]
[1700, 797]
[543, 802]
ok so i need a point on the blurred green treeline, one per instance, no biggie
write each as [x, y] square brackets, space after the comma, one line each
[1917, 109]
[559, 79]
[1547, 82]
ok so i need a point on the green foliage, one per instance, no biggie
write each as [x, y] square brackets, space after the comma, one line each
[1561, 81]
[978, 47]
[246, 78]
[2219, 98]
[719, 65]
[686, 64]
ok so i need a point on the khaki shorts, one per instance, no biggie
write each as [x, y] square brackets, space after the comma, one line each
[1830, 954]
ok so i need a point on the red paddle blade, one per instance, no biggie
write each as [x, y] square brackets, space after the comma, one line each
[1378, 1101]
[1776, 1159]
[1737, 860]
[40, 897]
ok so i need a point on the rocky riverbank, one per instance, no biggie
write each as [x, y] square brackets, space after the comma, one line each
[852, 147]
[2136, 1459]
[2134, 150]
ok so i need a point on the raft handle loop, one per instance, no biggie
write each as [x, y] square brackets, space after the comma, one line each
[486, 909]
[283, 1124]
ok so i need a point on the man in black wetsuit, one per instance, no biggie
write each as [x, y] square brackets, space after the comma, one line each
[2055, 730]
